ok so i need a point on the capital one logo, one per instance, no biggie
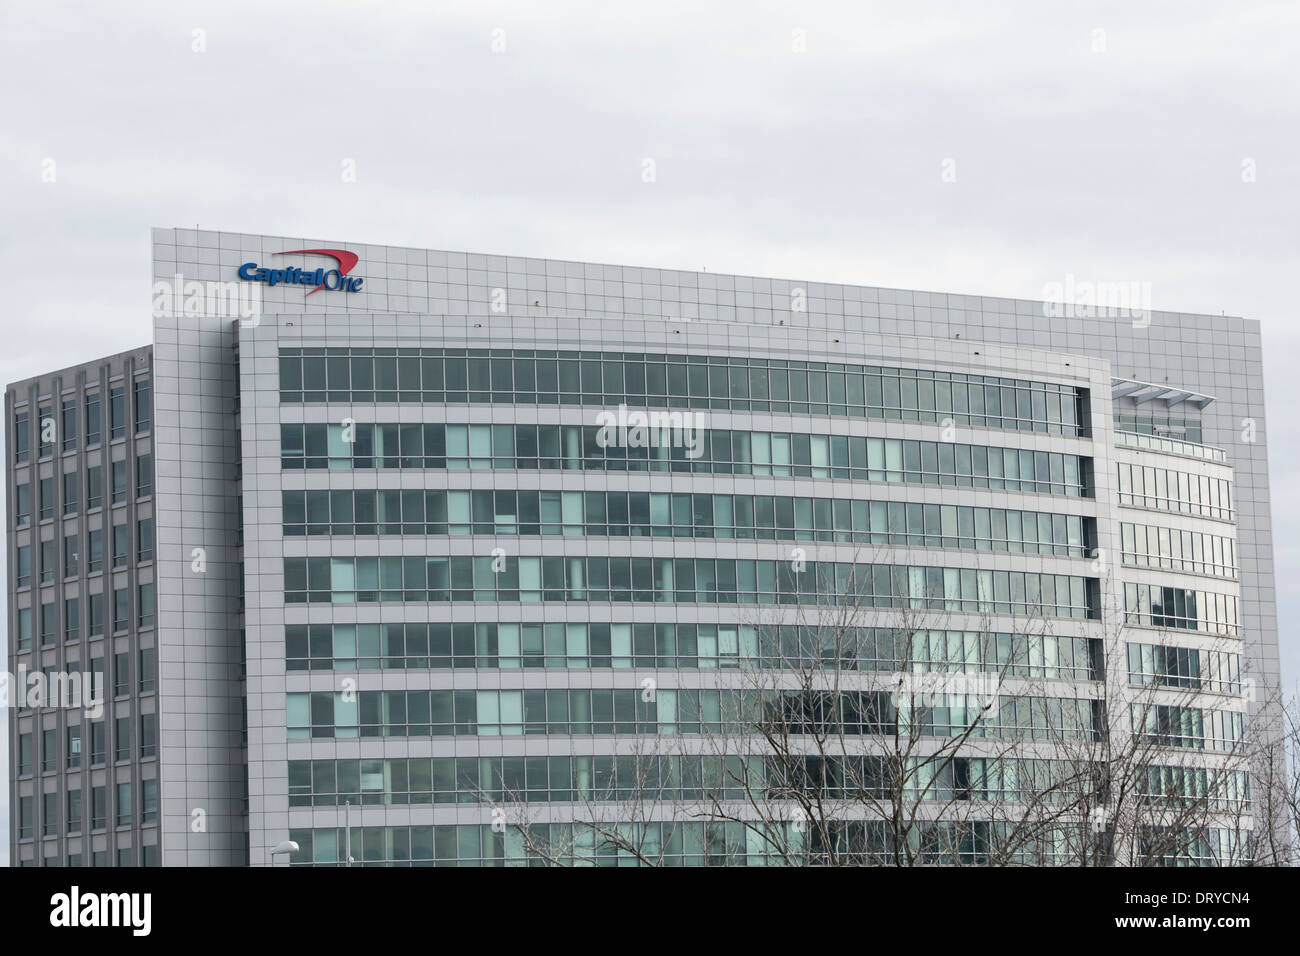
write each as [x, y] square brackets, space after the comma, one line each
[331, 280]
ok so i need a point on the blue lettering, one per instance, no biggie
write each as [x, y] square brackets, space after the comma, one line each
[330, 279]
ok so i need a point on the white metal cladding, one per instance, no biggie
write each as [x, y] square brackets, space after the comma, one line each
[430, 297]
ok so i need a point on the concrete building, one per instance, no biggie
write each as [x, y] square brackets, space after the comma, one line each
[82, 600]
[411, 555]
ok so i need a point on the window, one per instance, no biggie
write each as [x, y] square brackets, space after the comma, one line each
[26, 760]
[24, 627]
[121, 674]
[98, 746]
[49, 752]
[26, 818]
[644, 514]
[148, 669]
[70, 555]
[1159, 488]
[493, 713]
[148, 735]
[74, 814]
[22, 436]
[22, 505]
[144, 540]
[710, 581]
[98, 809]
[120, 618]
[123, 811]
[144, 605]
[48, 427]
[142, 405]
[144, 476]
[92, 418]
[47, 625]
[117, 411]
[1158, 606]
[1161, 547]
[74, 747]
[23, 566]
[69, 416]
[95, 542]
[49, 814]
[149, 809]
[122, 738]
[48, 563]
[125, 854]
[96, 615]
[94, 487]
[71, 619]
[70, 483]
[914, 395]
[118, 475]
[47, 498]
[320, 445]
[119, 546]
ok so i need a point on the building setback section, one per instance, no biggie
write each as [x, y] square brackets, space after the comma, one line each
[200, 664]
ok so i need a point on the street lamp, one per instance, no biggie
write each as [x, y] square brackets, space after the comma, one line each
[347, 832]
[284, 847]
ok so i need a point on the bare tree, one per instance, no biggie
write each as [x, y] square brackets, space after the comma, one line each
[1276, 766]
[862, 764]
[845, 740]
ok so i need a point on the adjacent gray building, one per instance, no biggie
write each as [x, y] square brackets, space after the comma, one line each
[383, 547]
[81, 534]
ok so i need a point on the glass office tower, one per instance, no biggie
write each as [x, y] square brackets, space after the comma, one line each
[417, 553]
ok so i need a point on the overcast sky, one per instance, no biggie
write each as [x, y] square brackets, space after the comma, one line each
[1111, 141]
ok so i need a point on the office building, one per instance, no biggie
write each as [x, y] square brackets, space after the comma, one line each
[393, 535]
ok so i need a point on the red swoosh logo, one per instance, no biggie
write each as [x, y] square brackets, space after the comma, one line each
[347, 260]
